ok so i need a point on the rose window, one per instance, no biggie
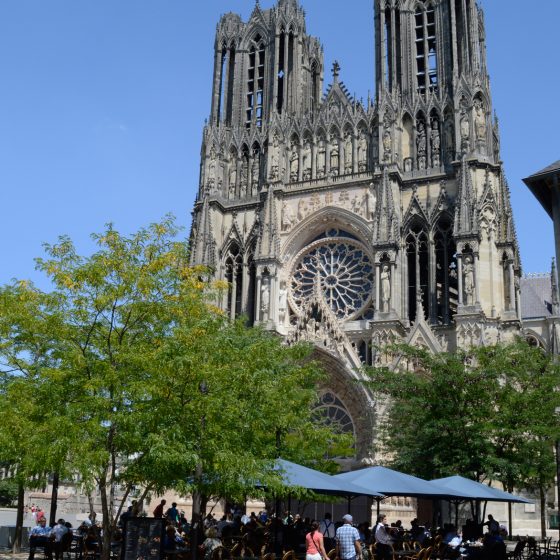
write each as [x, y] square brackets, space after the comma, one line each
[345, 274]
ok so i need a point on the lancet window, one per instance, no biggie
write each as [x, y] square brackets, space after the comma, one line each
[255, 83]
[446, 283]
[391, 46]
[234, 277]
[418, 269]
[240, 274]
[286, 59]
[426, 48]
[227, 72]
[315, 86]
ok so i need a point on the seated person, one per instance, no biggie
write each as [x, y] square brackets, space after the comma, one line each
[449, 533]
[211, 543]
[173, 545]
[40, 537]
[91, 540]
[62, 538]
[415, 530]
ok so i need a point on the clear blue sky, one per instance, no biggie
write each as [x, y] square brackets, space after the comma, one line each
[103, 102]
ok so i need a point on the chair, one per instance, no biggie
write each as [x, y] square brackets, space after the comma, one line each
[269, 556]
[517, 553]
[240, 550]
[415, 554]
[65, 545]
[221, 553]
[290, 555]
[332, 554]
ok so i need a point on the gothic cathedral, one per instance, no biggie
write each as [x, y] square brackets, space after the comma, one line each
[352, 225]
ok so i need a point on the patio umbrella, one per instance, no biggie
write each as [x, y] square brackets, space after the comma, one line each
[394, 483]
[293, 474]
[477, 491]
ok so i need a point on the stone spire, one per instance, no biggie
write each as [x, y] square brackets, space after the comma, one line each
[384, 230]
[465, 223]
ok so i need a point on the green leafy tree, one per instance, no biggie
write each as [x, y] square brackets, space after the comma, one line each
[143, 380]
[486, 414]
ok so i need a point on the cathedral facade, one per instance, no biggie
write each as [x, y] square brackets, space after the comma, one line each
[355, 225]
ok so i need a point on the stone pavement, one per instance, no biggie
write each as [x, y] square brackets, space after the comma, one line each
[7, 555]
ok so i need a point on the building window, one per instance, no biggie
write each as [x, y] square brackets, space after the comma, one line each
[446, 288]
[418, 269]
[331, 412]
[343, 271]
[255, 83]
[426, 48]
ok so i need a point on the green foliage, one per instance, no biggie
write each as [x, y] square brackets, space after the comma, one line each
[485, 414]
[8, 492]
[102, 376]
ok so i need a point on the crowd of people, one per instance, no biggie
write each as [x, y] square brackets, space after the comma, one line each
[254, 535]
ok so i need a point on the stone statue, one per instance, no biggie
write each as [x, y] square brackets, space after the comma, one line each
[275, 160]
[282, 303]
[348, 154]
[436, 144]
[288, 217]
[421, 145]
[370, 203]
[301, 210]
[387, 141]
[321, 159]
[244, 175]
[211, 170]
[479, 121]
[255, 171]
[465, 132]
[294, 164]
[306, 157]
[265, 299]
[449, 141]
[362, 152]
[334, 163]
[385, 289]
[357, 202]
[232, 182]
[468, 281]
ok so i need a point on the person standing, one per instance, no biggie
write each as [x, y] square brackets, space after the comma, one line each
[172, 514]
[328, 530]
[348, 545]
[384, 547]
[314, 548]
[158, 511]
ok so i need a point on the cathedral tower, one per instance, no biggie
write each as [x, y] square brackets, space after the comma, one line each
[352, 225]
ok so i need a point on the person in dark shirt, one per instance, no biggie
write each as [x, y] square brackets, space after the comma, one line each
[158, 511]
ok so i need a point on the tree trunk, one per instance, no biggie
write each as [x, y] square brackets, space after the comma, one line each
[196, 521]
[54, 500]
[19, 519]
[107, 524]
[543, 511]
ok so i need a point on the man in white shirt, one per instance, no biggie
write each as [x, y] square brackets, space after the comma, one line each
[384, 547]
[328, 530]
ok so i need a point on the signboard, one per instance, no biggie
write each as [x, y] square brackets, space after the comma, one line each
[143, 538]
